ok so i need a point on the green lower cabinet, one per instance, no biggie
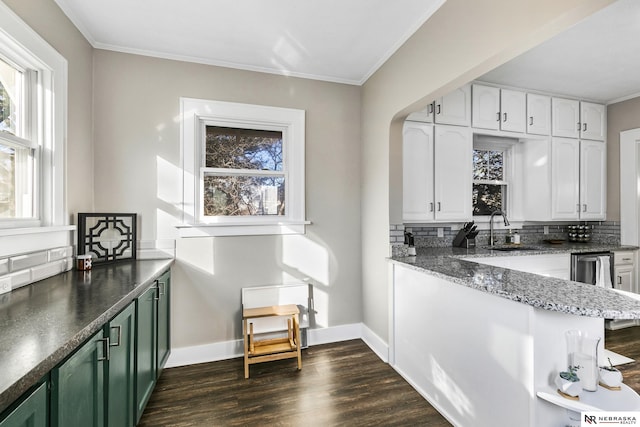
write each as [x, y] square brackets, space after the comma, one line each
[146, 347]
[121, 368]
[164, 337]
[77, 387]
[32, 412]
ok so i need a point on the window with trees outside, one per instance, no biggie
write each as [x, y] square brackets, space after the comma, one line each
[489, 183]
[243, 169]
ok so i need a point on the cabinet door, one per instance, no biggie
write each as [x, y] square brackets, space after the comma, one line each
[453, 173]
[77, 386]
[485, 110]
[121, 368]
[565, 118]
[624, 278]
[164, 335]
[417, 172]
[32, 412]
[565, 176]
[455, 108]
[425, 115]
[513, 112]
[538, 114]
[594, 122]
[593, 188]
[146, 347]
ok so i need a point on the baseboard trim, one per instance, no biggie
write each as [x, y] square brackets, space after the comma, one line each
[231, 349]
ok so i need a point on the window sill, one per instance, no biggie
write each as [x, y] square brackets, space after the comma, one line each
[253, 229]
[35, 230]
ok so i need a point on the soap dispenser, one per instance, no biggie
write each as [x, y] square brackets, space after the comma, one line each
[408, 240]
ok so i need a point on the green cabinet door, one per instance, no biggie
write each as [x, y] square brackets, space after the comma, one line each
[32, 412]
[164, 344]
[77, 387]
[146, 347]
[120, 384]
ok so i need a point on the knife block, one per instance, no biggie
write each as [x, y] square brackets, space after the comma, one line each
[462, 241]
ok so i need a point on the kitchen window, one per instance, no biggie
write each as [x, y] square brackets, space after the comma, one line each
[243, 169]
[33, 96]
[490, 175]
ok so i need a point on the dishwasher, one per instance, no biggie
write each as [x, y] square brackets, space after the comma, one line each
[584, 266]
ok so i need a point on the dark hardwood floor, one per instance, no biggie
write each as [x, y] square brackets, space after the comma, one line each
[340, 384]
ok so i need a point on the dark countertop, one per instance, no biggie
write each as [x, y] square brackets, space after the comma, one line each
[456, 265]
[42, 323]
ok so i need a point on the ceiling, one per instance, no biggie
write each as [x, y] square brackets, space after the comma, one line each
[597, 59]
[332, 40]
[347, 41]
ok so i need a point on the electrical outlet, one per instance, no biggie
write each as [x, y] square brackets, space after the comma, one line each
[5, 285]
[440, 231]
[546, 229]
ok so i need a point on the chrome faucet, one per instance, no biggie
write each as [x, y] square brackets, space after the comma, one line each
[506, 223]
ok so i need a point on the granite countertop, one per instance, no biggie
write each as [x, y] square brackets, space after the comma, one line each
[42, 323]
[456, 265]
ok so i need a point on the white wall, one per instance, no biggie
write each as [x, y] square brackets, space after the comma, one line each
[137, 169]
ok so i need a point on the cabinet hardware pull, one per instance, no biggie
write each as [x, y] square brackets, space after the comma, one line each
[578, 125]
[619, 280]
[117, 344]
[498, 114]
[439, 109]
[626, 259]
[431, 207]
[531, 121]
[505, 116]
[430, 108]
[439, 207]
[156, 295]
[584, 207]
[584, 127]
[161, 288]
[105, 349]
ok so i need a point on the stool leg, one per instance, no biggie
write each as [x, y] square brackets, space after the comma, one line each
[296, 329]
[246, 348]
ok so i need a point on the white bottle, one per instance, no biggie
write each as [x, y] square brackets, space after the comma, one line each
[516, 238]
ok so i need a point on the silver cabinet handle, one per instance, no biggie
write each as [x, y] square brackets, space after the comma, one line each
[626, 259]
[161, 288]
[578, 126]
[156, 295]
[619, 280]
[498, 116]
[430, 108]
[105, 349]
[584, 127]
[439, 109]
[439, 207]
[504, 115]
[117, 344]
[531, 121]
[431, 207]
[584, 207]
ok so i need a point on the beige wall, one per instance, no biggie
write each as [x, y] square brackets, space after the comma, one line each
[46, 18]
[620, 117]
[460, 42]
[137, 168]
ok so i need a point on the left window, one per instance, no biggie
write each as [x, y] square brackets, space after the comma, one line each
[18, 152]
[33, 105]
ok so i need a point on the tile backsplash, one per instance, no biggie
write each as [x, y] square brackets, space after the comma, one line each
[23, 269]
[427, 235]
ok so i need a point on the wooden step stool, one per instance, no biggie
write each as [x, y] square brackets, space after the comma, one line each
[271, 349]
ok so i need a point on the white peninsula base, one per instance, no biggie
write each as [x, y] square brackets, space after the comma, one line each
[478, 358]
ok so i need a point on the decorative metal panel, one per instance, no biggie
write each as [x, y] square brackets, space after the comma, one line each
[107, 237]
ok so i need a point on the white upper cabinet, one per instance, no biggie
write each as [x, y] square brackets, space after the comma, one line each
[485, 107]
[455, 107]
[565, 118]
[593, 180]
[565, 178]
[538, 114]
[498, 109]
[593, 121]
[576, 119]
[436, 173]
[417, 172]
[453, 173]
[425, 115]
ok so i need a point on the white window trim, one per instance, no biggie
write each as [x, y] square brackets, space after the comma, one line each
[195, 114]
[508, 174]
[21, 40]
